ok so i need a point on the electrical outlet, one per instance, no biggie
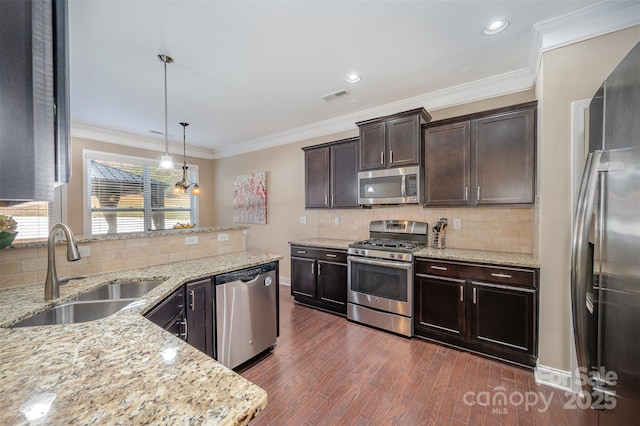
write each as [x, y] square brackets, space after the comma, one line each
[456, 223]
[85, 251]
[336, 221]
[193, 239]
[223, 237]
[245, 232]
[303, 220]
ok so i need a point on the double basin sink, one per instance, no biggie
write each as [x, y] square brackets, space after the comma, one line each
[94, 305]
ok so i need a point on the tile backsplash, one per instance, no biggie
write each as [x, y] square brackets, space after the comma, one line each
[482, 228]
[28, 265]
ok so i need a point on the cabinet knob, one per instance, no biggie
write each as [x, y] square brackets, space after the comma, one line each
[478, 198]
[462, 293]
[466, 193]
[382, 157]
[331, 255]
[192, 300]
[390, 156]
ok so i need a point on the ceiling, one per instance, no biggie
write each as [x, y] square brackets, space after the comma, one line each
[251, 74]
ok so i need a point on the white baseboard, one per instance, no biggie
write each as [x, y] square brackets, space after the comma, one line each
[285, 281]
[553, 377]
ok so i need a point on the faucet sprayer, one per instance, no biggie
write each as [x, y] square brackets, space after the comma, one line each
[52, 283]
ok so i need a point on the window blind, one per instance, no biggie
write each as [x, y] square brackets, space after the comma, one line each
[33, 219]
[130, 195]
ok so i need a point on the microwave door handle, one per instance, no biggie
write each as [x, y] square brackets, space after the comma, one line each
[580, 252]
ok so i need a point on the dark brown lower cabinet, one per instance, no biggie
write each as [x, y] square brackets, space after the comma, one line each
[491, 310]
[188, 314]
[319, 278]
[170, 314]
[199, 315]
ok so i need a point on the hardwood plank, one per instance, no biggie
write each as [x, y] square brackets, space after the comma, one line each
[326, 370]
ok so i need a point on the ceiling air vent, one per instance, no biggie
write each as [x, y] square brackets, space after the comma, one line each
[339, 93]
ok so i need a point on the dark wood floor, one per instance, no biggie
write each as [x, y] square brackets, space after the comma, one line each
[326, 370]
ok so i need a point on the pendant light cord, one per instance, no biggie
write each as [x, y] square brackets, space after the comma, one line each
[166, 137]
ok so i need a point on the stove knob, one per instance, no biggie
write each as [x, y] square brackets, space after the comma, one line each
[391, 255]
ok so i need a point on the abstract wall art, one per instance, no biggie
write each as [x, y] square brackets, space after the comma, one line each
[250, 198]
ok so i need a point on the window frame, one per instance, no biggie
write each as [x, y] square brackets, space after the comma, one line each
[88, 155]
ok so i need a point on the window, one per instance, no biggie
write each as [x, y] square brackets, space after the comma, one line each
[129, 194]
[32, 219]
[35, 218]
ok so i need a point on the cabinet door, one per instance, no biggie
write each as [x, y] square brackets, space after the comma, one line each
[316, 174]
[403, 141]
[332, 284]
[503, 317]
[372, 146]
[199, 313]
[447, 153]
[505, 158]
[344, 175]
[303, 278]
[169, 314]
[440, 305]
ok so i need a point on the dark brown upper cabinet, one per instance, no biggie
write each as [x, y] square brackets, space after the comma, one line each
[487, 158]
[392, 141]
[331, 175]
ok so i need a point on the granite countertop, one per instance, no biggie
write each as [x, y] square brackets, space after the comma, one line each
[81, 239]
[462, 255]
[479, 256]
[329, 243]
[122, 369]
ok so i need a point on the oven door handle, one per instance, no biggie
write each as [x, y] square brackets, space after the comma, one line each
[407, 266]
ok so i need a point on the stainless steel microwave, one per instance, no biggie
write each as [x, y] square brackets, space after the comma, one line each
[390, 186]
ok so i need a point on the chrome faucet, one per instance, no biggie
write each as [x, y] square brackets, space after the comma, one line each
[53, 283]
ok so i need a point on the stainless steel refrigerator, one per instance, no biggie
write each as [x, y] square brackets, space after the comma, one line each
[605, 269]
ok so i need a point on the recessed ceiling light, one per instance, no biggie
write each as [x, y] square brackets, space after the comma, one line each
[496, 27]
[353, 78]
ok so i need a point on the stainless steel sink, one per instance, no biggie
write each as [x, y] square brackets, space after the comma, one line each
[125, 290]
[75, 312]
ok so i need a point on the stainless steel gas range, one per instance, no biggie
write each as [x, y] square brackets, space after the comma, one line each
[380, 275]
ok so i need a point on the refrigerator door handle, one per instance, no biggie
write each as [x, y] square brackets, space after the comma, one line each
[580, 253]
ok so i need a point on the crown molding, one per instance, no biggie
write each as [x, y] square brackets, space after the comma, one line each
[503, 84]
[592, 21]
[84, 131]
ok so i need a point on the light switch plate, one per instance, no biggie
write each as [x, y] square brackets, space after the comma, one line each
[336, 221]
[193, 239]
[303, 220]
[456, 223]
[223, 237]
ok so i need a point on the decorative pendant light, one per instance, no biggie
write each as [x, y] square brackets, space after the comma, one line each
[182, 186]
[165, 161]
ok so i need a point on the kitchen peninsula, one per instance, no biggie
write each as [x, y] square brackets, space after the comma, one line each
[123, 368]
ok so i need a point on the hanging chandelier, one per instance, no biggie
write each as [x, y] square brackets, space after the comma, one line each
[182, 186]
[165, 161]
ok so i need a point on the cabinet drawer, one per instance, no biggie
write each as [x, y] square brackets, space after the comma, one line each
[516, 277]
[441, 269]
[337, 256]
[505, 276]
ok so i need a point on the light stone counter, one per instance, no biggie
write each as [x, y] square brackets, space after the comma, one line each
[479, 256]
[329, 243]
[122, 369]
[462, 255]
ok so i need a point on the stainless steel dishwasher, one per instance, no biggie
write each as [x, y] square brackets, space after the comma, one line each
[246, 313]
